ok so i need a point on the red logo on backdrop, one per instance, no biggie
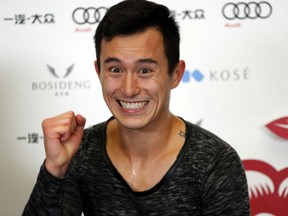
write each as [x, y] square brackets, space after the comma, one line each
[279, 127]
[269, 191]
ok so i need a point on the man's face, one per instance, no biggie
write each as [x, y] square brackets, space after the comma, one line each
[134, 77]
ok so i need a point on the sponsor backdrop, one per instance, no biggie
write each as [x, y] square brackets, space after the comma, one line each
[235, 85]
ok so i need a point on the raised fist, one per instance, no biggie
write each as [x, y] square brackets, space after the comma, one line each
[62, 138]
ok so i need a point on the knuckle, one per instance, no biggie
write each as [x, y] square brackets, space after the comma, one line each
[45, 123]
[71, 114]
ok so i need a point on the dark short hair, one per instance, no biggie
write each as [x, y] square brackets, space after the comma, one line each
[133, 16]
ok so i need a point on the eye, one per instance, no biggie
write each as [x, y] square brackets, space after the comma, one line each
[144, 70]
[115, 70]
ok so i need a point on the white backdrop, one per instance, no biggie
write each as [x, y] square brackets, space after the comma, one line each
[235, 85]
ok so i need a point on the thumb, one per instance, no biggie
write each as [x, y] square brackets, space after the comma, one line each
[80, 121]
[75, 140]
[80, 124]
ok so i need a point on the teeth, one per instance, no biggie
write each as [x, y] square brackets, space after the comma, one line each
[136, 105]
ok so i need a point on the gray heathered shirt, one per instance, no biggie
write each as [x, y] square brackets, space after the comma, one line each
[206, 179]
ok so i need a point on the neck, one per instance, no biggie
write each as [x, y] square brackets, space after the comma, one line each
[143, 156]
[145, 143]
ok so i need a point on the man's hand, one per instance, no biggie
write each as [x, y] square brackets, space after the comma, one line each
[62, 138]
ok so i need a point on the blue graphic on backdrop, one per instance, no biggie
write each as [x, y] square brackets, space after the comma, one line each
[196, 75]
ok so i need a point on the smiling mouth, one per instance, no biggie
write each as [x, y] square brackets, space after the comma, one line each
[132, 105]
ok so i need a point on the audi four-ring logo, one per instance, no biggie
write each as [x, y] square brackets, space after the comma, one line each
[251, 10]
[90, 15]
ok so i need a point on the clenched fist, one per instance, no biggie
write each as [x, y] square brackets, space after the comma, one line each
[62, 138]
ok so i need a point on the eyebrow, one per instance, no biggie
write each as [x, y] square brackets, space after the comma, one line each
[111, 59]
[139, 61]
[147, 60]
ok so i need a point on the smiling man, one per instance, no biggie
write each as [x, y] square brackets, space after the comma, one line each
[144, 160]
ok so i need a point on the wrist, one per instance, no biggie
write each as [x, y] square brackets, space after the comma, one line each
[55, 170]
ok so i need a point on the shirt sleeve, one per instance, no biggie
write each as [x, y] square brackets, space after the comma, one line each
[224, 187]
[54, 196]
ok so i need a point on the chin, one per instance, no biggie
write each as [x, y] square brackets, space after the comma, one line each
[132, 122]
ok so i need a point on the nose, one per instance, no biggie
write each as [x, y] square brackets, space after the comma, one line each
[130, 86]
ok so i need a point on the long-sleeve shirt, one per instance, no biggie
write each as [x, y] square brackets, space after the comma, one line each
[207, 178]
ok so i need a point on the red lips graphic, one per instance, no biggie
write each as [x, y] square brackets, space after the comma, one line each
[279, 127]
[265, 198]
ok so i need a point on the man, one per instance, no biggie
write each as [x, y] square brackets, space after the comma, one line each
[144, 160]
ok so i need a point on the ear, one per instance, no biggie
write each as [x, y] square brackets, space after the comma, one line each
[96, 68]
[178, 73]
